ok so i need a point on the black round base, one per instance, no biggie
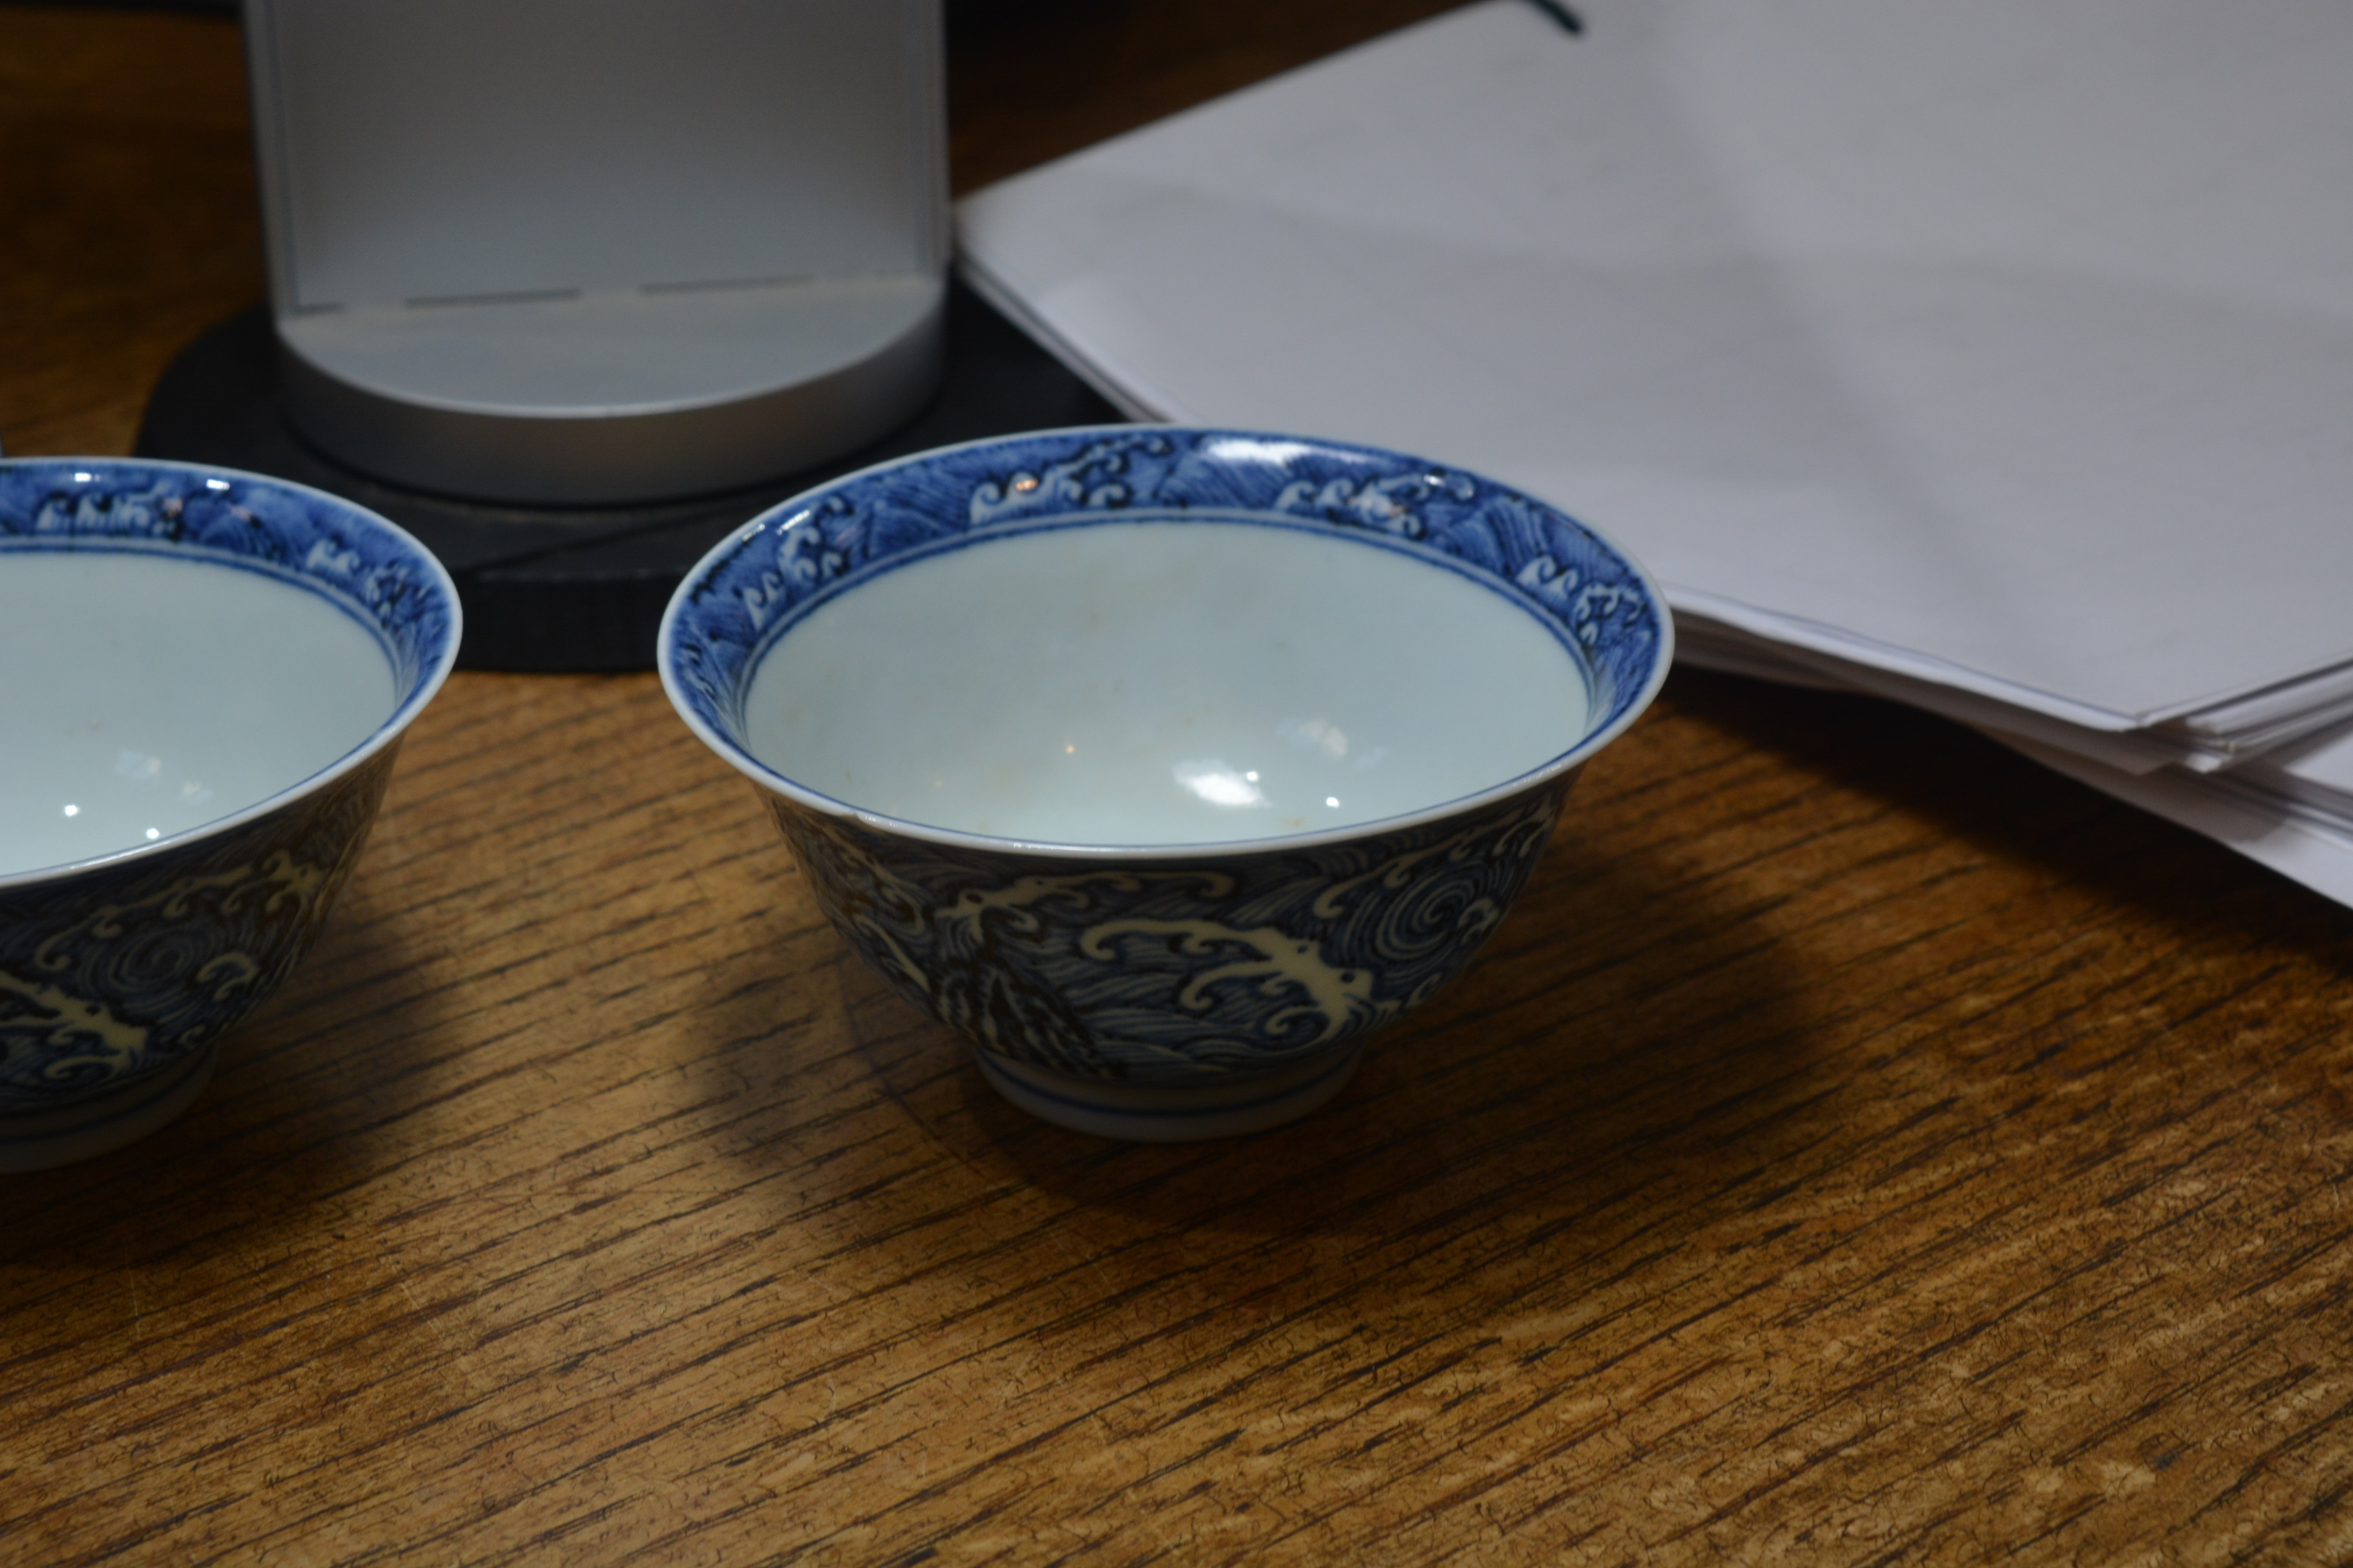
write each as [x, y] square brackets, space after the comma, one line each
[565, 588]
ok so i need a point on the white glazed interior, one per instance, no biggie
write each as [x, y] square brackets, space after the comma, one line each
[1164, 683]
[146, 694]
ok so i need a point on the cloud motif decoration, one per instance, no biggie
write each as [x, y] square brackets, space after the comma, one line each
[119, 972]
[1139, 971]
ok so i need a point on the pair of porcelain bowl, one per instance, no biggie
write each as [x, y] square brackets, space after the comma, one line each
[1164, 765]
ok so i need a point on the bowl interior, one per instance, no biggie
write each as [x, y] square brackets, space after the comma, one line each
[1153, 637]
[182, 646]
[1153, 682]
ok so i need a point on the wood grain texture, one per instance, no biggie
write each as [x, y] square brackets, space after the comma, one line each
[1859, 1147]
[128, 220]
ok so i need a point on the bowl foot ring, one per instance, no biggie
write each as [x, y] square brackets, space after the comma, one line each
[37, 1140]
[1171, 1113]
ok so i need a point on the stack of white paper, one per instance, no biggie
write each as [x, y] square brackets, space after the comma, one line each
[1997, 358]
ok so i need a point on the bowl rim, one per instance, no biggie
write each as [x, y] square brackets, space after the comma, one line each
[427, 685]
[768, 778]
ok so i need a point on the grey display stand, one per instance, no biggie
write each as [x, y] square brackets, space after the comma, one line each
[582, 587]
[545, 252]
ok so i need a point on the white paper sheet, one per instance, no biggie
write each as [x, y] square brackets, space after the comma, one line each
[2006, 348]
[2292, 810]
[2316, 773]
[2309, 848]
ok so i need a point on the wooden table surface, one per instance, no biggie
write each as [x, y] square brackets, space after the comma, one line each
[1859, 1147]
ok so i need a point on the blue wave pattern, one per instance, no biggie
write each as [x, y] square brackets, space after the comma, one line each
[781, 566]
[115, 974]
[290, 533]
[112, 973]
[1159, 973]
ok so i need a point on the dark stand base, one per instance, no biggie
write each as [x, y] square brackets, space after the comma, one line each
[581, 588]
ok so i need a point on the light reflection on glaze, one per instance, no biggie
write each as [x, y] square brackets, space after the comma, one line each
[1148, 681]
[1221, 785]
[134, 738]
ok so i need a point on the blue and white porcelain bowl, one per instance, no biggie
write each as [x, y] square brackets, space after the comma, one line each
[1166, 764]
[204, 676]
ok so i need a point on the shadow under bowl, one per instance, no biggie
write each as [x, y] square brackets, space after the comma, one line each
[1164, 765]
[209, 672]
